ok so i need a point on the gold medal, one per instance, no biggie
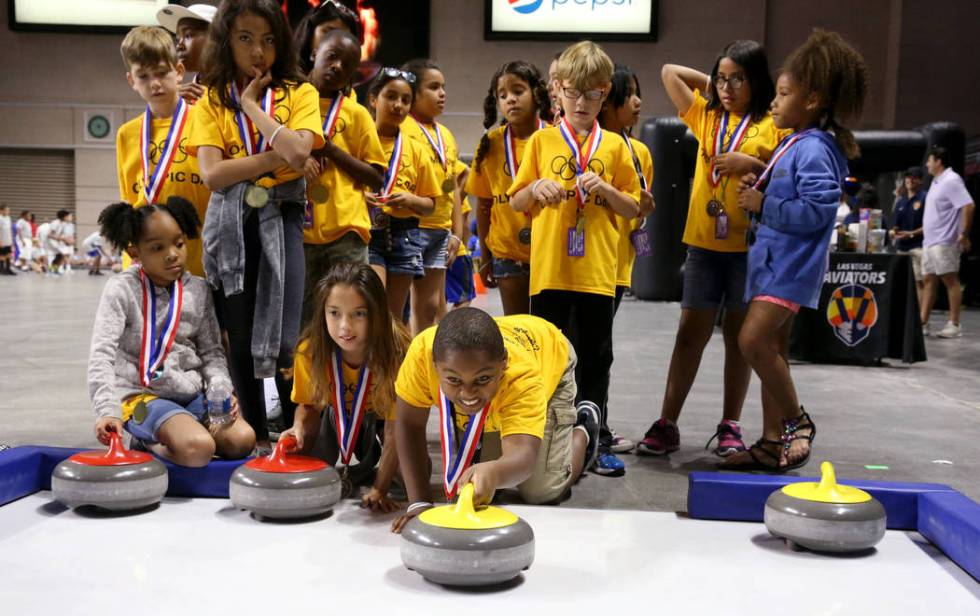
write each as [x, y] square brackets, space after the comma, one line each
[449, 184]
[524, 236]
[140, 411]
[256, 196]
[715, 207]
[319, 193]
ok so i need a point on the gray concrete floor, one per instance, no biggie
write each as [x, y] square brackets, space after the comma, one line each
[904, 417]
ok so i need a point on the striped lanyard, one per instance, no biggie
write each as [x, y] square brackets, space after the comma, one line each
[333, 114]
[348, 424]
[510, 149]
[581, 156]
[153, 181]
[781, 150]
[394, 166]
[253, 145]
[453, 467]
[437, 144]
[733, 143]
[154, 348]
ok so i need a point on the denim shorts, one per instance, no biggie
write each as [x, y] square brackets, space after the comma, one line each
[459, 281]
[399, 251]
[713, 279]
[434, 248]
[509, 268]
[160, 410]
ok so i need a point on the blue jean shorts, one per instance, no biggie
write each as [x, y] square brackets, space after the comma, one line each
[160, 410]
[399, 251]
[459, 281]
[434, 248]
[509, 268]
[713, 279]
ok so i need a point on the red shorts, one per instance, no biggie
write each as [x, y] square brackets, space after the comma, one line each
[785, 303]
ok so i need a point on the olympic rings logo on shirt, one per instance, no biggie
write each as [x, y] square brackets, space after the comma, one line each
[564, 167]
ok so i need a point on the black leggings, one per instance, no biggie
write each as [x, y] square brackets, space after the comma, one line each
[586, 318]
[237, 313]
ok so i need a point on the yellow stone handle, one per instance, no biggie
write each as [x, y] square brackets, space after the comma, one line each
[464, 502]
[828, 478]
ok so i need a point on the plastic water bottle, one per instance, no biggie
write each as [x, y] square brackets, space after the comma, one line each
[219, 404]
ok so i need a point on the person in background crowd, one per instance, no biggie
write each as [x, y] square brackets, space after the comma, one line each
[906, 228]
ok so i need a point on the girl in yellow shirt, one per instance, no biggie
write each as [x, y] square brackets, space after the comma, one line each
[344, 379]
[518, 92]
[253, 132]
[407, 193]
[736, 135]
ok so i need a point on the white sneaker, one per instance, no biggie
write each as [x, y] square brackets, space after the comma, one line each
[926, 331]
[952, 330]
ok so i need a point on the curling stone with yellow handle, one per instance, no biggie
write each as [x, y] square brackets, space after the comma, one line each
[825, 516]
[459, 545]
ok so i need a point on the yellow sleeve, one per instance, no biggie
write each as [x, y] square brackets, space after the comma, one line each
[369, 147]
[412, 384]
[302, 369]
[528, 171]
[426, 184]
[205, 130]
[524, 408]
[478, 182]
[305, 112]
[120, 149]
[459, 166]
[695, 116]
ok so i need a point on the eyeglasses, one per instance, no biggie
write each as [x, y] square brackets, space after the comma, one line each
[735, 82]
[590, 95]
[397, 73]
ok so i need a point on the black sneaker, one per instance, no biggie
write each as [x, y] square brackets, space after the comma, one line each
[588, 418]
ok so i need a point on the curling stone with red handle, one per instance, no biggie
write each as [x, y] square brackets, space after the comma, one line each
[285, 485]
[116, 479]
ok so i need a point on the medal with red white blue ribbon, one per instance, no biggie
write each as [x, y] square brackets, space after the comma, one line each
[247, 133]
[581, 156]
[510, 149]
[453, 467]
[348, 424]
[333, 113]
[394, 166]
[781, 150]
[153, 181]
[733, 143]
[437, 144]
[154, 348]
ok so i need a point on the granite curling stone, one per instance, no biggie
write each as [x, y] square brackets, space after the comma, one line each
[284, 485]
[457, 545]
[825, 516]
[115, 479]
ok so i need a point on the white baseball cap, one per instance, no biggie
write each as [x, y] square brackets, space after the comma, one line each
[170, 15]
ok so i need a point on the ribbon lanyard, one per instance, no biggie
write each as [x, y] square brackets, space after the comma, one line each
[453, 467]
[246, 131]
[781, 149]
[153, 182]
[333, 113]
[348, 425]
[581, 155]
[394, 166]
[510, 149]
[437, 144]
[636, 162]
[719, 141]
[154, 348]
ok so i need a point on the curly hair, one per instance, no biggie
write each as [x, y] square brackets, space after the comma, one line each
[829, 67]
[220, 61]
[539, 90]
[122, 224]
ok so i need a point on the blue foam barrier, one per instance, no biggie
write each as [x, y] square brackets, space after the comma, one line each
[25, 470]
[951, 521]
[742, 497]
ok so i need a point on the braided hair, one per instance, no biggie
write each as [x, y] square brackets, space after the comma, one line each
[122, 224]
[539, 90]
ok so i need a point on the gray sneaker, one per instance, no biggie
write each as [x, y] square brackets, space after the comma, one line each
[952, 330]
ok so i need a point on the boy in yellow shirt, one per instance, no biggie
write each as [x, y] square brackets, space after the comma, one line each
[513, 377]
[336, 224]
[152, 161]
[580, 187]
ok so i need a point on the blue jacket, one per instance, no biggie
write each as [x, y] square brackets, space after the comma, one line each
[789, 257]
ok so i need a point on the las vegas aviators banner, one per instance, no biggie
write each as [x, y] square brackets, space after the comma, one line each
[852, 313]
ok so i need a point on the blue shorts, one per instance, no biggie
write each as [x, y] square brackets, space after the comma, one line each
[459, 281]
[713, 279]
[160, 410]
[399, 251]
[434, 244]
[509, 268]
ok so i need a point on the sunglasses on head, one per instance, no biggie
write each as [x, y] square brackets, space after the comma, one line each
[397, 73]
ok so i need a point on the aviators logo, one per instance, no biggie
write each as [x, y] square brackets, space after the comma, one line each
[852, 311]
[525, 7]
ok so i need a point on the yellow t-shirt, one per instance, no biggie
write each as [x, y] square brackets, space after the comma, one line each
[761, 138]
[303, 387]
[297, 107]
[441, 217]
[491, 181]
[345, 208]
[537, 354]
[547, 156]
[183, 179]
[415, 175]
[624, 271]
